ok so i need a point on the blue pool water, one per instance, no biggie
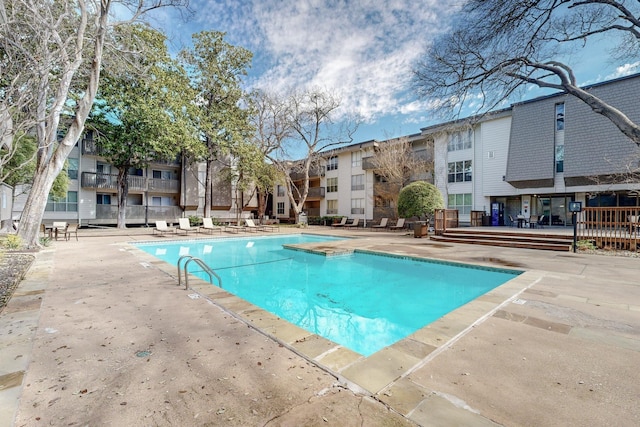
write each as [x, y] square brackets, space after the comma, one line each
[364, 302]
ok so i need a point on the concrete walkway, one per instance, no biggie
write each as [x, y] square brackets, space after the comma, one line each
[99, 334]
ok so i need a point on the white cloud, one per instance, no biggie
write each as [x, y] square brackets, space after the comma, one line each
[363, 50]
[624, 70]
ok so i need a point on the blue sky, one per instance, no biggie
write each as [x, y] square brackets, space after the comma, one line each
[362, 50]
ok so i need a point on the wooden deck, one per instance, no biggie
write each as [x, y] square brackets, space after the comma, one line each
[560, 239]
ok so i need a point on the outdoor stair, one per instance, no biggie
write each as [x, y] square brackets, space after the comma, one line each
[493, 237]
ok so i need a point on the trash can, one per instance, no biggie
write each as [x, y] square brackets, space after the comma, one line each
[302, 219]
[419, 229]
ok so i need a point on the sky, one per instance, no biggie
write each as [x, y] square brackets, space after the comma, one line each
[363, 51]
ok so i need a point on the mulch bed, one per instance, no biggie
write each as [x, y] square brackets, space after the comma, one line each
[13, 267]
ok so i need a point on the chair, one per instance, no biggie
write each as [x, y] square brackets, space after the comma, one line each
[353, 223]
[71, 229]
[207, 224]
[382, 225]
[512, 222]
[59, 227]
[533, 221]
[252, 226]
[161, 227]
[399, 225]
[341, 223]
[234, 228]
[185, 225]
[541, 221]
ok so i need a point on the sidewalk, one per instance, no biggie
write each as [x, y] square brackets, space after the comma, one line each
[98, 335]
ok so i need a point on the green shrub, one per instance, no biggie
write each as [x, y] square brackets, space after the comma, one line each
[586, 245]
[12, 241]
[195, 220]
[419, 199]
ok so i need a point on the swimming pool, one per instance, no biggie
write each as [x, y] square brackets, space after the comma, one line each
[361, 301]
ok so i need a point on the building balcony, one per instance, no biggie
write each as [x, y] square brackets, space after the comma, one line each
[318, 171]
[368, 163]
[103, 181]
[315, 193]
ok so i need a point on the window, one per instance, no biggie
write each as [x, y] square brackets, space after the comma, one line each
[461, 202]
[332, 185]
[333, 163]
[161, 201]
[103, 199]
[356, 159]
[68, 204]
[280, 208]
[136, 172]
[332, 207]
[460, 140]
[280, 191]
[460, 171]
[357, 206]
[559, 158]
[72, 170]
[380, 178]
[560, 116]
[357, 182]
[160, 174]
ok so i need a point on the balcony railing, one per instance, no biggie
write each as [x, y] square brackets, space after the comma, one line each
[313, 173]
[104, 181]
[314, 193]
[368, 163]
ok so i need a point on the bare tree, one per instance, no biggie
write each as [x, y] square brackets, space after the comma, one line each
[397, 164]
[301, 125]
[54, 52]
[496, 47]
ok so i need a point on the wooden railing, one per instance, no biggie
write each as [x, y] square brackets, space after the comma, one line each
[611, 228]
[445, 218]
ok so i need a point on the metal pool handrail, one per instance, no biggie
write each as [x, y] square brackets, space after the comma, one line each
[202, 265]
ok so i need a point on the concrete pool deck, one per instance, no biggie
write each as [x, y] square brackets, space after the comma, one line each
[99, 333]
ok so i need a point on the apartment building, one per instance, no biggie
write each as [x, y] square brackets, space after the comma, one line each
[536, 157]
[532, 158]
[163, 191]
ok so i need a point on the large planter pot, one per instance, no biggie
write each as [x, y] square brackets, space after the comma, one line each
[419, 229]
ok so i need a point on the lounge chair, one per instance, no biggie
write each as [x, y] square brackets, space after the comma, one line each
[341, 223]
[71, 228]
[541, 221]
[399, 225]
[207, 224]
[161, 227]
[185, 225]
[59, 228]
[512, 222]
[234, 228]
[354, 223]
[382, 225]
[261, 227]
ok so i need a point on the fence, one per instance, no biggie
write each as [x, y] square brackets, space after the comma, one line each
[614, 228]
[445, 218]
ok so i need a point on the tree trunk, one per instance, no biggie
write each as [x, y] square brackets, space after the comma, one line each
[123, 192]
[36, 203]
[208, 189]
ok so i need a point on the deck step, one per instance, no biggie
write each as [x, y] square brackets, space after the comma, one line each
[541, 241]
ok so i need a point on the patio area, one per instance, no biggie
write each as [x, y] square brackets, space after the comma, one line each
[99, 333]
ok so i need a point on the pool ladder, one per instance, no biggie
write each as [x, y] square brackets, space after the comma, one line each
[202, 265]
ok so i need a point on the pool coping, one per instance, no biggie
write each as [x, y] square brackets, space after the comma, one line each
[376, 374]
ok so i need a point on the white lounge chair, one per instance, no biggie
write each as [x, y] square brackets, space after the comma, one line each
[399, 225]
[185, 225]
[207, 224]
[253, 227]
[353, 223]
[382, 225]
[161, 227]
[341, 223]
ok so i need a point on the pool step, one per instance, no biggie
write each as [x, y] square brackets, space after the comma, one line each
[542, 241]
